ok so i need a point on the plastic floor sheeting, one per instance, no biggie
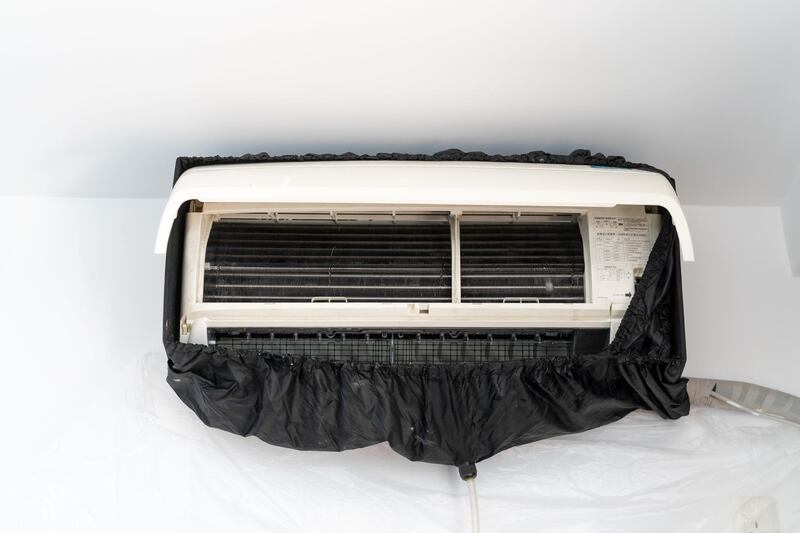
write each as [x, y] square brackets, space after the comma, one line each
[94, 440]
[160, 469]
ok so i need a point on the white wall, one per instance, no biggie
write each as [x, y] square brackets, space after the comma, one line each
[94, 439]
[742, 304]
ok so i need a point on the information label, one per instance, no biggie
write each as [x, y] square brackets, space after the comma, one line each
[621, 245]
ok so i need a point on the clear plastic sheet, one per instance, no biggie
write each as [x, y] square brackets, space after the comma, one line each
[162, 470]
[96, 441]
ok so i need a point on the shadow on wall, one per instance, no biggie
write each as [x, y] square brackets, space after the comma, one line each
[790, 212]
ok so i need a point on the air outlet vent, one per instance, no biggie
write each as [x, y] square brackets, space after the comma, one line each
[416, 346]
[522, 262]
[266, 261]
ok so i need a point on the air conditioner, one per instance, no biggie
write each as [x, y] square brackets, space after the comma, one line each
[453, 305]
[414, 262]
[450, 306]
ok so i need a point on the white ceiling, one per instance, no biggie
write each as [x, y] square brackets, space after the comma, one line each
[98, 99]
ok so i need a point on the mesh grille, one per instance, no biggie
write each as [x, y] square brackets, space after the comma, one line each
[264, 261]
[417, 347]
[522, 262]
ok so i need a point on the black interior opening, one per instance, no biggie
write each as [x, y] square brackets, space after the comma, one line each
[422, 346]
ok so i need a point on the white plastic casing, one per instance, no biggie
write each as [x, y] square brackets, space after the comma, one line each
[423, 185]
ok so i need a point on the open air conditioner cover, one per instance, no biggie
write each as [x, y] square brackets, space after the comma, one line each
[441, 413]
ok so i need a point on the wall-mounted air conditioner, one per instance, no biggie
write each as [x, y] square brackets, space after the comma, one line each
[451, 307]
[414, 262]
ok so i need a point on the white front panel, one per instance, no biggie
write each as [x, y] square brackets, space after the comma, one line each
[404, 185]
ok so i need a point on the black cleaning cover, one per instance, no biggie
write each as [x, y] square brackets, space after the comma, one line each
[447, 414]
